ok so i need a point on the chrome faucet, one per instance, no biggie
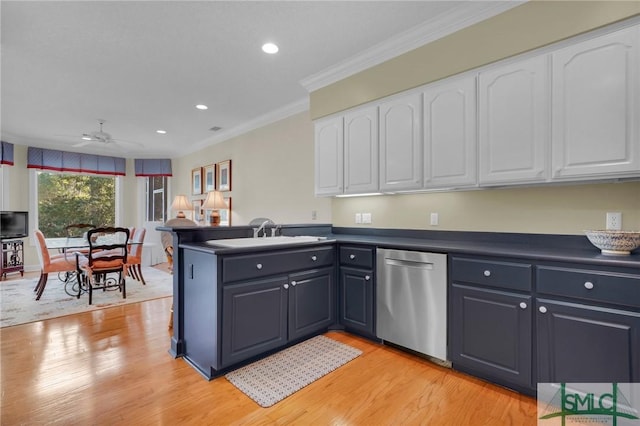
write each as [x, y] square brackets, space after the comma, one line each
[256, 231]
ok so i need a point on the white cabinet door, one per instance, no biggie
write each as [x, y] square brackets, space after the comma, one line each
[328, 156]
[361, 151]
[596, 106]
[450, 133]
[400, 143]
[514, 122]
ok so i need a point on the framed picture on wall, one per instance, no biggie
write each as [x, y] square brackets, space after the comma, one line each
[197, 210]
[224, 175]
[225, 215]
[196, 181]
[209, 178]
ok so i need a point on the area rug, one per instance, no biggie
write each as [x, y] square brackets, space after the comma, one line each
[276, 377]
[18, 304]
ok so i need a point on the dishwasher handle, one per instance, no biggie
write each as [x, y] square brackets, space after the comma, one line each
[408, 263]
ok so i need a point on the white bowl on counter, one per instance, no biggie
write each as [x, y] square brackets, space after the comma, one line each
[614, 242]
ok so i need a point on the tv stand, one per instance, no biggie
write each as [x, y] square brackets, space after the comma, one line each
[11, 257]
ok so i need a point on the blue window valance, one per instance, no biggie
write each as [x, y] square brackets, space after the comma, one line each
[6, 153]
[63, 161]
[153, 167]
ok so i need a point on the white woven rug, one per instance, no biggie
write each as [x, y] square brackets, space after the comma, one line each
[18, 304]
[274, 378]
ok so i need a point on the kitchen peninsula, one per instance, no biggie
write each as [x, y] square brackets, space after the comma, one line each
[522, 308]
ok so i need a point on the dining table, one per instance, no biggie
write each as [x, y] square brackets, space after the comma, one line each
[70, 246]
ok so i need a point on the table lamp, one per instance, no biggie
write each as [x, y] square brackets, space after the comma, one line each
[181, 203]
[214, 202]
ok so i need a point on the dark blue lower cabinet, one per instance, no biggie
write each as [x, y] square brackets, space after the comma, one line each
[311, 302]
[254, 318]
[491, 335]
[588, 344]
[262, 315]
[356, 302]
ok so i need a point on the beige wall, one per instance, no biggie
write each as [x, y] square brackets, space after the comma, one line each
[539, 210]
[523, 28]
[272, 173]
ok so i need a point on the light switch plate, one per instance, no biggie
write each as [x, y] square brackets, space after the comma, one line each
[366, 217]
[358, 217]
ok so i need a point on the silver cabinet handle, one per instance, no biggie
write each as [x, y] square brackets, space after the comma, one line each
[352, 256]
[314, 258]
[542, 309]
[293, 283]
[588, 285]
[259, 266]
[286, 286]
[523, 305]
[487, 273]
[367, 277]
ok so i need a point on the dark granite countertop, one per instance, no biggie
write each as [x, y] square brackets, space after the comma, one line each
[557, 248]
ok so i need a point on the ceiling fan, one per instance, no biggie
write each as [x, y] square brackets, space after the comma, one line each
[102, 137]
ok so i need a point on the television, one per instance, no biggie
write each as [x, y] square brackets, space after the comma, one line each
[14, 225]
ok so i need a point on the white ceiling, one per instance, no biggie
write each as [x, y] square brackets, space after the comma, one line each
[144, 65]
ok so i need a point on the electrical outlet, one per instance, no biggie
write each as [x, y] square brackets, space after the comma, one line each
[614, 221]
[434, 219]
[358, 217]
[366, 217]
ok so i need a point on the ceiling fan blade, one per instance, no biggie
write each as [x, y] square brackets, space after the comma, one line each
[83, 143]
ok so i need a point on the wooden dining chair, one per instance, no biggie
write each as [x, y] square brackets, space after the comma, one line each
[105, 266]
[134, 258]
[51, 263]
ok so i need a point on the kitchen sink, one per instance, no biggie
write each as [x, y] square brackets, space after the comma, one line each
[263, 241]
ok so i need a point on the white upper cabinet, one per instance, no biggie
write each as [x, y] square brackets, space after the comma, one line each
[514, 122]
[450, 133]
[329, 156]
[596, 107]
[361, 151]
[401, 143]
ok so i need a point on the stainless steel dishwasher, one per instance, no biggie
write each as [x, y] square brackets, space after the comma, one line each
[411, 299]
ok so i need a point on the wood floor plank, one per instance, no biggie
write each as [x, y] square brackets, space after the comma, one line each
[112, 367]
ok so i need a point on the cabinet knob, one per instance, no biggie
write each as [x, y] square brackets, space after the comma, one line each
[542, 309]
[487, 273]
[314, 258]
[523, 305]
[588, 285]
[259, 266]
[367, 277]
[293, 283]
[286, 286]
[352, 256]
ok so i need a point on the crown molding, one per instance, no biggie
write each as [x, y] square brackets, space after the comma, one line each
[467, 14]
[263, 120]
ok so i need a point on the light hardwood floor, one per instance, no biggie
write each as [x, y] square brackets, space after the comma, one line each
[112, 367]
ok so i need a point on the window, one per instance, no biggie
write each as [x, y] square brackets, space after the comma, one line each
[156, 198]
[65, 198]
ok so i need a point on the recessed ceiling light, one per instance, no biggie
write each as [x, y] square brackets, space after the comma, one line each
[202, 107]
[162, 132]
[86, 138]
[269, 48]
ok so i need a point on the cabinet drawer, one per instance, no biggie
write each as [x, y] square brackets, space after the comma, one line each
[259, 265]
[593, 285]
[513, 276]
[361, 257]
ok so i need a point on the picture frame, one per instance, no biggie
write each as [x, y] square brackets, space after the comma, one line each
[224, 175]
[209, 178]
[198, 214]
[225, 215]
[196, 181]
